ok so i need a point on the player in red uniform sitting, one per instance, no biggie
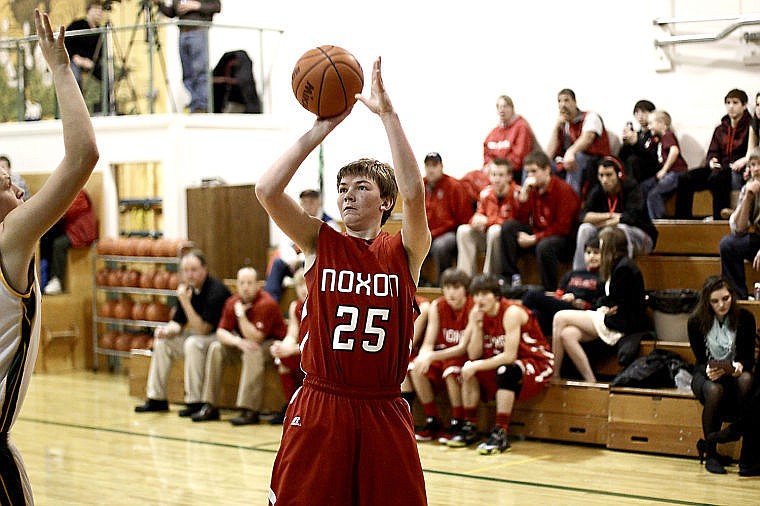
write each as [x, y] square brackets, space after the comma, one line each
[509, 360]
[443, 354]
[359, 319]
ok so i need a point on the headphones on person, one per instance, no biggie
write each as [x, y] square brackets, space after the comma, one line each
[615, 162]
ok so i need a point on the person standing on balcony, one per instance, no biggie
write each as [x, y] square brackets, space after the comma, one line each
[193, 45]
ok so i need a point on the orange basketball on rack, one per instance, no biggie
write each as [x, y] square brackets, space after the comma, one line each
[114, 277]
[326, 79]
[106, 309]
[123, 342]
[138, 310]
[146, 279]
[101, 277]
[171, 247]
[106, 246]
[173, 281]
[108, 340]
[131, 278]
[144, 246]
[123, 309]
[153, 312]
[157, 248]
[161, 280]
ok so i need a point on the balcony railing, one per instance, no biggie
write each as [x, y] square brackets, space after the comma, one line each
[139, 75]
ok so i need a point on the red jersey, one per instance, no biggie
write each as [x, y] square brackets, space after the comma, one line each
[359, 314]
[574, 129]
[264, 314]
[452, 323]
[446, 206]
[498, 209]
[553, 212]
[533, 345]
[512, 142]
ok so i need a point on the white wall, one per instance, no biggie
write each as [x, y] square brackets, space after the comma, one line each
[444, 65]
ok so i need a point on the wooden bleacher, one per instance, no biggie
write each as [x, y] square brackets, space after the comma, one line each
[663, 420]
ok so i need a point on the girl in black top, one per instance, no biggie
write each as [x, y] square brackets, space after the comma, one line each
[722, 336]
[620, 311]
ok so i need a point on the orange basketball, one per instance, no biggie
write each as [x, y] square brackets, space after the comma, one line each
[325, 80]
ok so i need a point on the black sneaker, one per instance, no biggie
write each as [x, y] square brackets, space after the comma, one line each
[429, 431]
[466, 435]
[191, 409]
[446, 434]
[152, 405]
[496, 443]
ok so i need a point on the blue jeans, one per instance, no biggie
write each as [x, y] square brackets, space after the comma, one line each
[734, 249]
[655, 192]
[193, 53]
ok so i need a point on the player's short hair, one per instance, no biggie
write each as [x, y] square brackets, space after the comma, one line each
[537, 157]
[741, 95]
[567, 91]
[485, 283]
[643, 105]
[6, 159]
[455, 277]
[503, 162]
[380, 173]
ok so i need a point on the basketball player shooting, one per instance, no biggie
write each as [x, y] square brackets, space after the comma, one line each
[358, 322]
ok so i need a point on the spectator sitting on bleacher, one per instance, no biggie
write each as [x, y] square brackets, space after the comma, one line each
[447, 206]
[620, 311]
[578, 142]
[670, 166]
[753, 138]
[442, 355]
[408, 393]
[743, 243]
[637, 153]
[251, 320]
[722, 337]
[509, 360]
[496, 204]
[578, 289]
[512, 138]
[290, 258]
[616, 202]
[746, 428]
[545, 219]
[729, 144]
[287, 352]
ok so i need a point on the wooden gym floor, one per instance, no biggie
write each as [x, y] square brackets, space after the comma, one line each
[83, 445]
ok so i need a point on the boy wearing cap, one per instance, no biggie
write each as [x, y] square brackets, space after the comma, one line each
[447, 206]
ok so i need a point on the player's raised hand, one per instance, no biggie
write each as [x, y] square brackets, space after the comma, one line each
[51, 46]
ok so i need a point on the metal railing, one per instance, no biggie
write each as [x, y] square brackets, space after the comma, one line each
[126, 86]
[736, 23]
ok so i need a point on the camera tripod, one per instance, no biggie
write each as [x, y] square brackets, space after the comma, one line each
[116, 79]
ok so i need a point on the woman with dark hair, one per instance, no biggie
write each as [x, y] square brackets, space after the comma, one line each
[619, 311]
[722, 336]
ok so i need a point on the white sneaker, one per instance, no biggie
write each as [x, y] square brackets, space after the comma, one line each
[53, 287]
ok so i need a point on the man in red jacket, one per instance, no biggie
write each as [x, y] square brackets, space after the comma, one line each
[512, 138]
[447, 206]
[545, 218]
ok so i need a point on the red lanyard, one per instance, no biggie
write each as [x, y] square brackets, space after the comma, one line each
[612, 204]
